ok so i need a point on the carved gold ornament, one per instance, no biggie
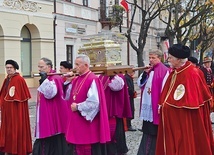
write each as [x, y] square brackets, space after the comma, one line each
[179, 92]
[12, 91]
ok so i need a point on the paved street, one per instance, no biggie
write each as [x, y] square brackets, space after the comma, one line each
[133, 138]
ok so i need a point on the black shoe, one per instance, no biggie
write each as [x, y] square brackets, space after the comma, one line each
[131, 129]
[140, 130]
[212, 122]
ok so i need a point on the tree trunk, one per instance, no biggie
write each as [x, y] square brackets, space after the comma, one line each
[140, 61]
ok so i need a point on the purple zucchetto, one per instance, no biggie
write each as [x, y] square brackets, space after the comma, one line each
[13, 63]
[179, 51]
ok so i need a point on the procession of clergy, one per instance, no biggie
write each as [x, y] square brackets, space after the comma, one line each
[80, 113]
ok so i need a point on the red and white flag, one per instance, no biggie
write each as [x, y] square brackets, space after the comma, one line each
[166, 43]
[125, 5]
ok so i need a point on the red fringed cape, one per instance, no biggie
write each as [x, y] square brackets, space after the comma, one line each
[15, 134]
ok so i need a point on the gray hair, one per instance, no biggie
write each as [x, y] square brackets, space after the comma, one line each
[47, 61]
[184, 60]
[157, 52]
[84, 58]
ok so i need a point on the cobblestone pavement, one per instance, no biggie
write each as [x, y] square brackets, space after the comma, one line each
[133, 138]
[32, 111]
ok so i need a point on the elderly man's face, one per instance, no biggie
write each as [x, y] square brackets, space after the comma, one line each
[154, 59]
[173, 61]
[80, 66]
[43, 67]
[10, 69]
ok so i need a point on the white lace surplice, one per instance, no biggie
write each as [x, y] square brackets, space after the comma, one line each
[48, 89]
[90, 107]
[146, 113]
[116, 83]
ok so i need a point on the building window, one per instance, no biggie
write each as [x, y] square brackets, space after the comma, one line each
[85, 2]
[26, 52]
[69, 52]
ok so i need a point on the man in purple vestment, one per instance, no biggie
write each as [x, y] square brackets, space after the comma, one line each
[118, 105]
[51, 113]
[88, 128]
[151, 82]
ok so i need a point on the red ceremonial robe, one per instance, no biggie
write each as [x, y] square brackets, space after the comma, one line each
[15, 134]
[185, 126]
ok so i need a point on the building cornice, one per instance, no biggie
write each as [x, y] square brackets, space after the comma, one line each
[75, 4]
[75, 19]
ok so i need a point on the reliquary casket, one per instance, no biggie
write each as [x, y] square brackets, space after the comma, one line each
[102, 52]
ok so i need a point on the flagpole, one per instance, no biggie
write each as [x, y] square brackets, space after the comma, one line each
[128, 50]
[126, 7]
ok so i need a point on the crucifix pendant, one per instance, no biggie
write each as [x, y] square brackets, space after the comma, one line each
[74, 97]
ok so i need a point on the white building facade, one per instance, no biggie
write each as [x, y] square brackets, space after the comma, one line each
[26, 35]
[56, 29]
